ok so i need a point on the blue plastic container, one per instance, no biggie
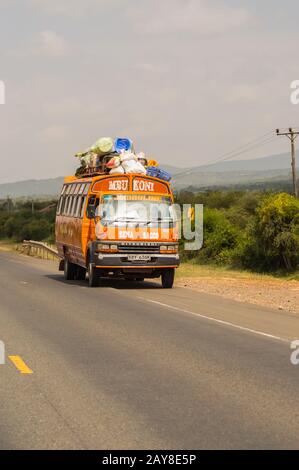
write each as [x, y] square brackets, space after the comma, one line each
[123, 144]
[157, 172]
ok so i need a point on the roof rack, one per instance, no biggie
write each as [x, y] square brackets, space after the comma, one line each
[101, 169]
[91, 172]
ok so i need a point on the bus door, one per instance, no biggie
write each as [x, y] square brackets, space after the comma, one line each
[92, 204]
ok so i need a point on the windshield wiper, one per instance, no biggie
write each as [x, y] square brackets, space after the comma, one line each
[117, 219]
[163, 219]
[132, 219]
[127, 219]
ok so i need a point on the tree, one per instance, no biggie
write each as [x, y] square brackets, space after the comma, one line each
[276, 232]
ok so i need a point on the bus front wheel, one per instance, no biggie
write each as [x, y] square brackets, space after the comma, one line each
[167, 278]
[93, 276]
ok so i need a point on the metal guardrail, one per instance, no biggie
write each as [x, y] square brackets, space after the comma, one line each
[34, 248]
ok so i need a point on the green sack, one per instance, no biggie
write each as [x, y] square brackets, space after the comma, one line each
[103, 146]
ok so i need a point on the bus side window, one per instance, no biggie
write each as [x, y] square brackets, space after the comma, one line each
[59, 205]
[77, 206]
[72, 200]
[72, 206]
[82, 204]
[62, 205]
[69, 209]
[67, 205]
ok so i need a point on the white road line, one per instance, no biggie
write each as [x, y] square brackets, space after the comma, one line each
[216, 320]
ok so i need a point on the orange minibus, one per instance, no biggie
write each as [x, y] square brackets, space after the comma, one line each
[121, 226]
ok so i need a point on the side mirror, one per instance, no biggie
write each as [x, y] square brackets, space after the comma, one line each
[91, 212]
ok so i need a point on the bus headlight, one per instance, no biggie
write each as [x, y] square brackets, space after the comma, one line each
[107, 247]
[169, 248]
[173, 248]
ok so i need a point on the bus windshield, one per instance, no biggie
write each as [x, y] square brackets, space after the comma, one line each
[123, 210]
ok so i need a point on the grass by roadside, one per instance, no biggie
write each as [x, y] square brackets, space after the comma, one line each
[267, 290]
[199, 270]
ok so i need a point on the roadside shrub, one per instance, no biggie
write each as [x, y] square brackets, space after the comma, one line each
[220, 237]
[273, 238]
[252, 230]
[20, 223]
[35, 230]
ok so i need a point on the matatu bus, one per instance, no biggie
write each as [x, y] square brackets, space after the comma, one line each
[122, 226]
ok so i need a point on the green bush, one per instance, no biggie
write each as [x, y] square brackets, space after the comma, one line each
[273, 238]
[35, 230]
[220, 237]
[252, 230]
[20, 223]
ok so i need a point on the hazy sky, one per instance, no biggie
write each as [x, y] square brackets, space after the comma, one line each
[188, 80]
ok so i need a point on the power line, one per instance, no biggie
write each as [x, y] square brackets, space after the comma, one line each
[247, 149]
[258, 142]
[241, 148]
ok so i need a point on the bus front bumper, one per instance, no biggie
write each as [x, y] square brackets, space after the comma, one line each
[121, 260]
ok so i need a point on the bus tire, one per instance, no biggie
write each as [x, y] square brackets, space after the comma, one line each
[167, 278]
[93, 276]
[69, 270]
[81, 273]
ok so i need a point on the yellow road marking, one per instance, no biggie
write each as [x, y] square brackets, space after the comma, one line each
[20, 365]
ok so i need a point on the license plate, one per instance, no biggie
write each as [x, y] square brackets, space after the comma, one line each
[139, 257]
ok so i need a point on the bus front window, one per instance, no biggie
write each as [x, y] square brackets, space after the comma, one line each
[123, 211]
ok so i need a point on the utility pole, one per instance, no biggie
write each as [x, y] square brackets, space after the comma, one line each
[8, 204]
[292, 135]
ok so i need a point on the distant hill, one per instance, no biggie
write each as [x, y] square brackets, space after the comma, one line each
[47, 187]
[274, 168]
[273, 162]
[173, 170]
[228, 178]
[231, 172]
[32, 188]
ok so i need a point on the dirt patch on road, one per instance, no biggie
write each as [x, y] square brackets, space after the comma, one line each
[278, 294]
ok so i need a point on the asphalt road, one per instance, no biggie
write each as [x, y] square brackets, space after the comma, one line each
[129, 366]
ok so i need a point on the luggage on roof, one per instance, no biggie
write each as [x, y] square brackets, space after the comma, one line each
[123, 144]
[103, 146]
[109, 156]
